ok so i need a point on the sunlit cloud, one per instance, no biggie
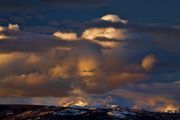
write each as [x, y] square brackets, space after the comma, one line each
[7, 58]
[101, 36]
[87, 66]
[113, 18]
[27, 79]
[58, 72]
[147, 101]
[93, 59]
[14, 27]
[11, 27]
[66, 36]
[111, 33]
[33, 59]
[2, 28]
[3, 37]
[149, 62]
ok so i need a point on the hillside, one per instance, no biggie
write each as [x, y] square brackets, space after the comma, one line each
[30, 112]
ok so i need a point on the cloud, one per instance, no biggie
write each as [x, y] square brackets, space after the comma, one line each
[94, 59]
[3, 37]
[111, 33]
[154, 102]
[65, 36]
[33, 59]
[13, 27]
[26, 79]
[106, 37]
[158, 96]
[58, 72]
[149, 62]
[1, 28]
[33, 84]
[6, 58]
[87, 66]
[17, 40]
[113, 18]
[10, 27]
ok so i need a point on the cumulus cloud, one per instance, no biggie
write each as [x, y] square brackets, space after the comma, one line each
[107, 37]
[17, 40]
[113, 18]
[106, 56]
[13, 27]
[111, 33]
[66, 36]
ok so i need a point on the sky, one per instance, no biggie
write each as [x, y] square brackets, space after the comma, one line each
[119, 52]
[139, 11]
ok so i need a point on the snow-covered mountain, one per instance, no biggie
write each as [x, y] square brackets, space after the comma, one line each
[30, 112]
